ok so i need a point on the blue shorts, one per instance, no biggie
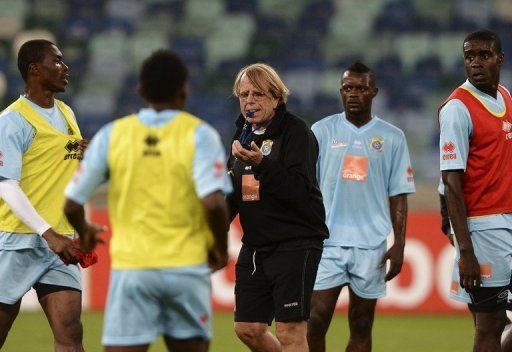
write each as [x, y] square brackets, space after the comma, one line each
[144, 304]
[493, 250]
[356, 267]
[21, 269]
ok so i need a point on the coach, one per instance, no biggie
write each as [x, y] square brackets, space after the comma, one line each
[276, 194]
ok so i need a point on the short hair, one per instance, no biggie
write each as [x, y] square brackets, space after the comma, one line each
[359, 67]
[162, 76]
[32, 51]
[261, 75]
[486, 36]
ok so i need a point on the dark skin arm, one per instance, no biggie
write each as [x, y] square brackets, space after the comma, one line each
[217, 214]
[61, 245]
[88, 233]
[445, 219]
[395, 254]
[469, 269]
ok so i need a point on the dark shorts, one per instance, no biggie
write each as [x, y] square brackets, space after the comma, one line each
[488, 299]
[275, 284]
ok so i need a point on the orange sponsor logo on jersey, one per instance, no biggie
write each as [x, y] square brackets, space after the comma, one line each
[355, 168]
[485, 271]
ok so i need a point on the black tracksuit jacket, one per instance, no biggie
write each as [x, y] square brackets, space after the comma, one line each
[290, 213]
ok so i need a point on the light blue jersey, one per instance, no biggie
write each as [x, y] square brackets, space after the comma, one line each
[358, 170]
[16, 136]
[208, 156]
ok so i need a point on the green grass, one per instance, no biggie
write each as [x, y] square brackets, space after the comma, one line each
[403, 333]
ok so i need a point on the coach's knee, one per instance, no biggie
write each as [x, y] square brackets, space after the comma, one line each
[293, 333]
[250, 333]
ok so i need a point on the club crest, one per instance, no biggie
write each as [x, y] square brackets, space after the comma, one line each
[266, 147]
[377, 144]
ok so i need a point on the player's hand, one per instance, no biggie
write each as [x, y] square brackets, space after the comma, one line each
[469, 271]
[61, 245]
[252, 157]
[395, 255]
[217, 259]
[90, 238]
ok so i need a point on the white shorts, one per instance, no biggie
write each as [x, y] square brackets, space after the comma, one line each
[356, 267]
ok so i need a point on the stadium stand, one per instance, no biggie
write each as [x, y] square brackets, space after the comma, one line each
[414, 46]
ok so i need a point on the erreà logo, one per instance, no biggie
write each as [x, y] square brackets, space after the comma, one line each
[73, 148]
[448, 151]
[151, 142]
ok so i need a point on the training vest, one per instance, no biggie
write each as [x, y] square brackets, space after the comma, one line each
[156, 216]
[47, 166]
[487, 184]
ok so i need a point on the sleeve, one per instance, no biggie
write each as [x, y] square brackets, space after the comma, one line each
[456, 130]
[401, 179]
[292, 177]
[20, 205]
[209, 166]
[93, 170]
[15, 139]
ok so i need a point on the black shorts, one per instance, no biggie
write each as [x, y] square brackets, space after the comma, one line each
[275, 284]
[488, 299]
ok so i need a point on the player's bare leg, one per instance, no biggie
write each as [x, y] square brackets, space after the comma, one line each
[506, 337]
[188, 345]
[8, 313]
[138, 348]
[361, 312]
[488, 330]
[323, 303]
[292, 336]
[63, 310]
[257, 337]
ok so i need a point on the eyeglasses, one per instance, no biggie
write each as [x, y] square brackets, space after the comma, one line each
[257, 96]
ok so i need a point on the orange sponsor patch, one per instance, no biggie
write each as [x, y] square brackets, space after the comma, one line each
[454, 287]
[485, 271]
[250, 188]
[355, 168]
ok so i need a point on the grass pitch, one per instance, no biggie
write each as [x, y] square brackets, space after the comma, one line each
[403, 333]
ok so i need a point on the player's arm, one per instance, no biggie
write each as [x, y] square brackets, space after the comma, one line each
[91, 173]
[212, 184]
[20, 205]
[401, 183]
[446, 228]
[469, 269]
[216, 211]
[395, 254]
[456, 129]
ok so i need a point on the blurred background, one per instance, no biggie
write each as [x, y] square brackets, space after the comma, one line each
[414, 46]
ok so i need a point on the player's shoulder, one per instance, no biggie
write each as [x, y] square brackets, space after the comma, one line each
[325, 125]
[12, 119]
[388, 128]
[506, 90]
